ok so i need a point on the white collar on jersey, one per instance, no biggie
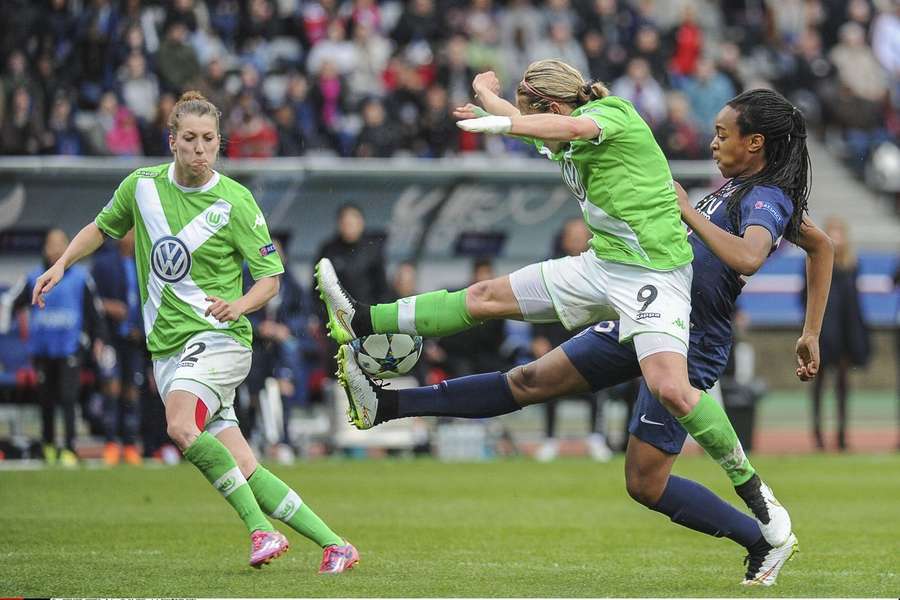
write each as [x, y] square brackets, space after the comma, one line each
[203, 188]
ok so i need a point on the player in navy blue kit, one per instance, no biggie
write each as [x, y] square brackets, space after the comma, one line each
[760, 146]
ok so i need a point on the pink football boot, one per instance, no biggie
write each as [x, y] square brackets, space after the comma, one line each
[337, 559]
[266, 546]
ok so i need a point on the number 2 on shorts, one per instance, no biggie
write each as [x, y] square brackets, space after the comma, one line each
[194, 356]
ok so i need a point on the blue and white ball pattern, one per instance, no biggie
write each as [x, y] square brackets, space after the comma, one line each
[386, 355]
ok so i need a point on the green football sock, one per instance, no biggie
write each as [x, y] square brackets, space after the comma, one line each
[434, 314]
[709, 425]
[284, 504]
[218, 466]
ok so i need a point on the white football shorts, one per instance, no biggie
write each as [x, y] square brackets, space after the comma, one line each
[212, 365]
[581, 290]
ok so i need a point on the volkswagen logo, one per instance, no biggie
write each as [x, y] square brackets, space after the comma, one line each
[170, 259]
[573, 179]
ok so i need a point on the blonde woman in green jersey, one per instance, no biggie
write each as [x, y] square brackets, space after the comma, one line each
[194, 228]
[638, 270]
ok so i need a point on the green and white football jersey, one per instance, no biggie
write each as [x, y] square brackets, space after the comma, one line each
[623, 183]
[190, 243]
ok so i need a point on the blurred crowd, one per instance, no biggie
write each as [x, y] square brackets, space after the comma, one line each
[380, 77]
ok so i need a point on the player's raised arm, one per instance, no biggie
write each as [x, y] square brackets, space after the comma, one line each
[487, 92]
[819, 264]
[84, 244]
[548, 115]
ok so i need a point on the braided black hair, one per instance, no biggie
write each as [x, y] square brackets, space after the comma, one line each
[787, 160]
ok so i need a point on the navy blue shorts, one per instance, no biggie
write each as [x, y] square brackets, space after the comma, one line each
[130, 366]
[604, 362]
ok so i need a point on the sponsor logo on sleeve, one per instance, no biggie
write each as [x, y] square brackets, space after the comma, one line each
[762, 205]
[267, 250]
[259, 221]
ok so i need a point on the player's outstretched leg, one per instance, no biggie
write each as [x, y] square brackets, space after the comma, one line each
[219, 467]
[281, 502]
[648, 478]
[701, 416]
[474, 396]
[432, 314]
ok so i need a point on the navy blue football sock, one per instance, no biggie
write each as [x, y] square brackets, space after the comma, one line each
[470, 397]
[690, 504]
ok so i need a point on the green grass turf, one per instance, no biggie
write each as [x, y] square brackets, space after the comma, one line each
[507, 528]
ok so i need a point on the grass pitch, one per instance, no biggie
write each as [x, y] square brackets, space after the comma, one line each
[507, 528]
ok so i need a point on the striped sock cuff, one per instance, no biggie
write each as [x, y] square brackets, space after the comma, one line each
[406, 315]
[288, 506]
[230, 481]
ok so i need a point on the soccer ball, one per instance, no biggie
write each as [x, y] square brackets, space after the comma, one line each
[386, 355]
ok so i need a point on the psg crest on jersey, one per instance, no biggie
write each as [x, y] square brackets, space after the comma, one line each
[170, 259]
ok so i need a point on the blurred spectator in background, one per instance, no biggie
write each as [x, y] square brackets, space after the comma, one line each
[419, 22]
[454, 71]
[647, 45]
[63, 137]
[22, 131]
[252, 135]
[94, 56]
[678, 135]
[808, 79]
[305, 112]
[406, 102]
[155, 135]
[859, 104]
[334, 48]
[176, 59]
[371, 54]
[283, 347]
[328, 97]
[844, 341]
[476, 350]
[118, 127]
[358, 259]
[439, 132]
[707, 91]
[378, 138]
[639, 87]
[138, 87]
[560, 43]
[404, 282]
[595, 52]
[214, 86]
[573, 239]
[688, 45]
[54, 343]
[124, 366]
[288, 132]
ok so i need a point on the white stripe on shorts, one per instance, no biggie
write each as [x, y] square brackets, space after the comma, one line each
[406, 315]
[229, 482]
[288, 507]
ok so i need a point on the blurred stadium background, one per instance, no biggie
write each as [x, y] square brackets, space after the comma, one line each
[326, 103]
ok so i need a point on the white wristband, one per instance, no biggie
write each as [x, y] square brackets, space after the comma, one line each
[491, 124]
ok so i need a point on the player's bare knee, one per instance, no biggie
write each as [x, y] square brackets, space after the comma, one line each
[478, 299]
[183, 434]
[247, 464]
[524, 384]
[674, 396]
[642, 487]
